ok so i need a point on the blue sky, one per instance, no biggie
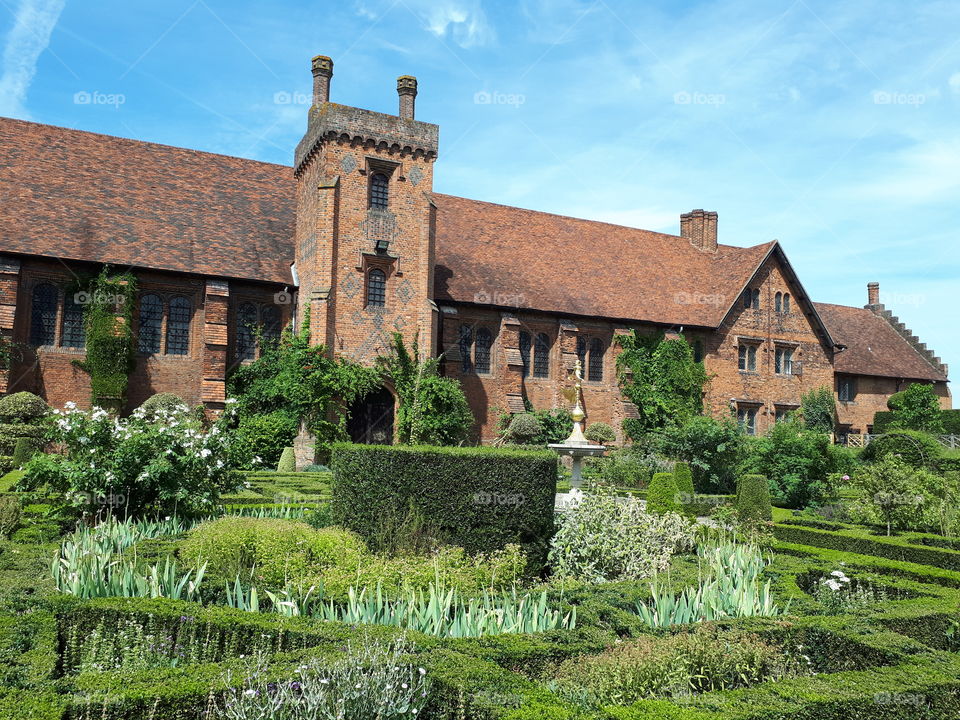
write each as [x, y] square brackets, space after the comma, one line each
[830, 126]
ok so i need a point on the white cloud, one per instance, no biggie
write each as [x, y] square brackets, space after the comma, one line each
[465, 22]
[28, 38]
[954, 82]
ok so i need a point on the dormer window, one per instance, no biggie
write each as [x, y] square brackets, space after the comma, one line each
[379, 191]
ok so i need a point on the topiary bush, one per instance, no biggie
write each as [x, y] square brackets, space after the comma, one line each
[480, 498]
[683, 476]
[9, 434]
[162, 404]
[23, 450]
[24, 407]
[915, 448]
[600, 433]
[662, 494]
[523, 428]
[753, 498]
[288, 461]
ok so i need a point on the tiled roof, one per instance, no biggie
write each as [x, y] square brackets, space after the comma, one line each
[873, 346]
[82, 196]
[527, 259]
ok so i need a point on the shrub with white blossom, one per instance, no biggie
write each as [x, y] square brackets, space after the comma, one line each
[373, 682]
[162, 463]
[838, 594]
[602, 537]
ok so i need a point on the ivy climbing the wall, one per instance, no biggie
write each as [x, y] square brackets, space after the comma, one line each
[108, 301]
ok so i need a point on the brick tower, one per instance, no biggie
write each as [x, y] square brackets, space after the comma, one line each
[365, 222]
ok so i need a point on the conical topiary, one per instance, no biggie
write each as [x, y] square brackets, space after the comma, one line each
[662, 494]
[288, 461]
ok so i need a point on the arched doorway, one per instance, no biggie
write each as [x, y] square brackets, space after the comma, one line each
[371, 419]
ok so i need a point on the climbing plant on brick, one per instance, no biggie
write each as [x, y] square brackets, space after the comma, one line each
[108, 301]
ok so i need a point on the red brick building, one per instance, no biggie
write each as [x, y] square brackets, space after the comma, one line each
[354, 232]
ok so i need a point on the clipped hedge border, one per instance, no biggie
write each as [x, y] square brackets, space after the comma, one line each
[847, 541]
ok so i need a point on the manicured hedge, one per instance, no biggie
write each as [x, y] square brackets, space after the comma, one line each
[951, 421]
[854, 542]
[480, 498]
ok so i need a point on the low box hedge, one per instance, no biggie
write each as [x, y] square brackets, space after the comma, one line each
[480, 498]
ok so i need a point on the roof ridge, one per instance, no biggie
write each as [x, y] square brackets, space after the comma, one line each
[594, 222]
[909, 336]
[141, 142]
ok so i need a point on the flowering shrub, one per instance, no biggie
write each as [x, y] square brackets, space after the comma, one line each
[373, 682]
[602, 537]
[837, 594]
[162, 464]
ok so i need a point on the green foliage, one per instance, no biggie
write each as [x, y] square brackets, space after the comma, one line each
[301, 383]
[140, 466]
[23, 450]
[288, 461]
[631, 466]
[663, 494]
[431, 410]
[524, 429]
[684, 478]
[893, 493]
[916, 448]
[916, 408]
[108, 320]
[479, 498]
[259, 439]
[661, 378]
[819, 410]
[753, 498]
[9, 515]
[600, 433]
[797, 462]
[22, 407]
[704, 660]
[273, 553]
[162, 403]
[9, 434]
[603, 538]
[713, 448]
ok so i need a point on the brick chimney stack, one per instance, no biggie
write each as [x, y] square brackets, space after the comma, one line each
[322, 68]
[407, 90]
[873, 293]
[700, 228]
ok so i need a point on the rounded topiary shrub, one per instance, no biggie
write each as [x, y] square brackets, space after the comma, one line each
[662, 494]
[288, 461]
[753, 498]
[162, 403]
[523, 428]
[22, 407]
[915, 448]
[600, 433]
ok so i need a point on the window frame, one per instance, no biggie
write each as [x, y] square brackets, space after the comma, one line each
[486, 366]
[382, 290]
[747, 418]
[377, 191]
[850, 383]
[747, 356]
[465, 346]
[595, 360]
[178, 332]
[541, 356]
[525, 346]
[783, 360]
[53, 322]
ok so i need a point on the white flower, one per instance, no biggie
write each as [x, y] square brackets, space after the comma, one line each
[832, 584]
[838, 574]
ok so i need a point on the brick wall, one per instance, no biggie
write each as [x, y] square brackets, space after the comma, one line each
[871, 397]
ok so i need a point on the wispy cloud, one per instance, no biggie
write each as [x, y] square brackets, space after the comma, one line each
[28, 38]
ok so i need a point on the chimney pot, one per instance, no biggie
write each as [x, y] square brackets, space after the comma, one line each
[873, 293]
[322, 68]
[700, 228]
[407, 90]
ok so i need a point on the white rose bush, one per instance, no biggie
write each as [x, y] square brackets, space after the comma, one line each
[164, 463]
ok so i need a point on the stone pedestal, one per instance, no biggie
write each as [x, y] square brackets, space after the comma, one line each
[304, 448]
